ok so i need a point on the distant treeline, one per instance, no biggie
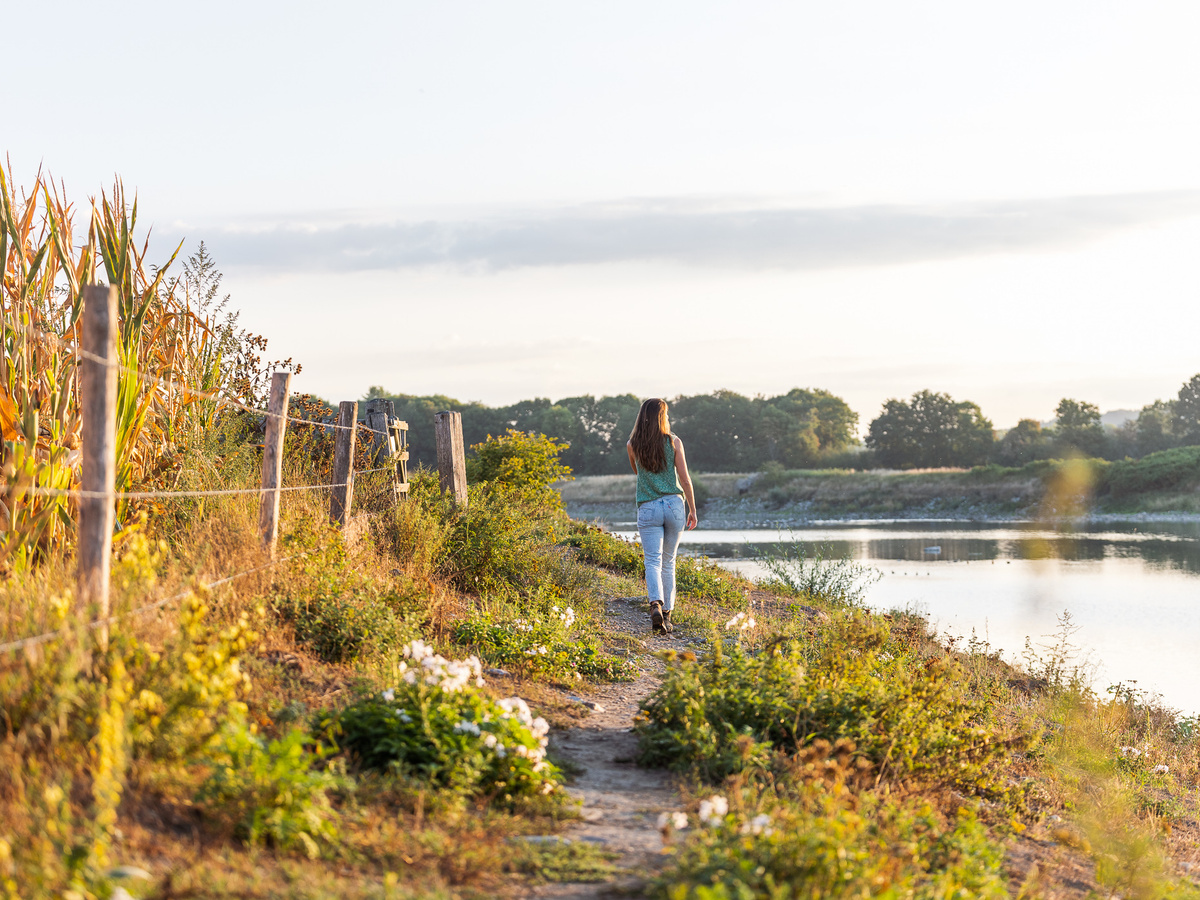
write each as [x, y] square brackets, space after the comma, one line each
[811, 428]
[724, 431]
[933, 430]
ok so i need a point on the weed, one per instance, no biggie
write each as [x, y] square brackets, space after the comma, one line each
[913, 719]
[819, 575]
[273, 791]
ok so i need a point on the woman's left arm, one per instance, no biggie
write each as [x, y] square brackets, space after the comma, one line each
[686, 481]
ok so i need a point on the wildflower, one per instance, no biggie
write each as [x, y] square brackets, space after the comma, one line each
[389, 695]
[1132, 752]
[676, 820]
[1160, 770]
[713, 810]
[489, 741]
[516, 708]
[540, 727]
[741, 622]
[548, 787]
[465, 727]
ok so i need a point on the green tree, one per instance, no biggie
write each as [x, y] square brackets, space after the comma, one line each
[1023, 443]
[1187, 412]
[1156, 427]
[1078, 429]
[931, 430]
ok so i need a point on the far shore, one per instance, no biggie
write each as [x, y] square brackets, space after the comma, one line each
[749, 500]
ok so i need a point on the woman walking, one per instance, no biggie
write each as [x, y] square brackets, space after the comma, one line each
[663, 488]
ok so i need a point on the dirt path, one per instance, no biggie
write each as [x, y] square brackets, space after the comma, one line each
[621, 802]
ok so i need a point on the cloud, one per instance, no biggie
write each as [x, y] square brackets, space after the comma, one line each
[684, 232]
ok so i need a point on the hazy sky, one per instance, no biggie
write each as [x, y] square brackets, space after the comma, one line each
[501, 200]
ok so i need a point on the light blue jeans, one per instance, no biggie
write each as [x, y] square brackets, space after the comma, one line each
[660, 523]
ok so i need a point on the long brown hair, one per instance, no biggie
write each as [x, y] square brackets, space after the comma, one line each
[646, 439]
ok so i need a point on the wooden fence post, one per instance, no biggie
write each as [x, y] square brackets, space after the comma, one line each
[379, 414]
[98, 407]
[272, 470]
[343, 463]
[452, 461]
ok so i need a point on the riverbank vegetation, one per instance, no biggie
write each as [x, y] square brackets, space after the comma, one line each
[370, 715]
[1167, 482]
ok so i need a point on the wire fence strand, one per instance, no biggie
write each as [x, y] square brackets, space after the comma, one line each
[219, 492]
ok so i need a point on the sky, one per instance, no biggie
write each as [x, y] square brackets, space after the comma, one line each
[500, 201]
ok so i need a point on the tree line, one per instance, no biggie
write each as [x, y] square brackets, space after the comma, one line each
[725, 431]
[810, 428]
[934, 430]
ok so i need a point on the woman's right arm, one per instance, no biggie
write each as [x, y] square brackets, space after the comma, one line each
[632, 460]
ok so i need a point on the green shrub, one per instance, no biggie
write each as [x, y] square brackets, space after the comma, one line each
[343, 618]
[705, 579]
[818, 576]
[819, 840]
[600, 548]
[912, 718]
[1166, 470]
[539, 643]
[498, 543]
[526, 464]
[437, 729]
[272, 791]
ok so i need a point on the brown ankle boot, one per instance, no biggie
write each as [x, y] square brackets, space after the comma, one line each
[656, 617]
[667, 626]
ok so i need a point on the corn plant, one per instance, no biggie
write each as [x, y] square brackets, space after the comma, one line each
[171, 363]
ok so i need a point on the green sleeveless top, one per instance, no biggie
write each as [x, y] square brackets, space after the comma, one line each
[652, 485]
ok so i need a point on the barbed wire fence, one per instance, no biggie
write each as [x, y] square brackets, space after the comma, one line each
[96, 497]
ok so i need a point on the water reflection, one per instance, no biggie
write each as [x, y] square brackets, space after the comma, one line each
[1169, 546]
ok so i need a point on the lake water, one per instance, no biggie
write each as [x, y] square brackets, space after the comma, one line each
[1133, 588]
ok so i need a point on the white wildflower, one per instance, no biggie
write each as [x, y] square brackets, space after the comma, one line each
[676, 820]
[540, 727]
[465, 727]
[760, 824]
[489, 740]
[1132, 752]
[389, 695]
[1160, 770]
[713, 810]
